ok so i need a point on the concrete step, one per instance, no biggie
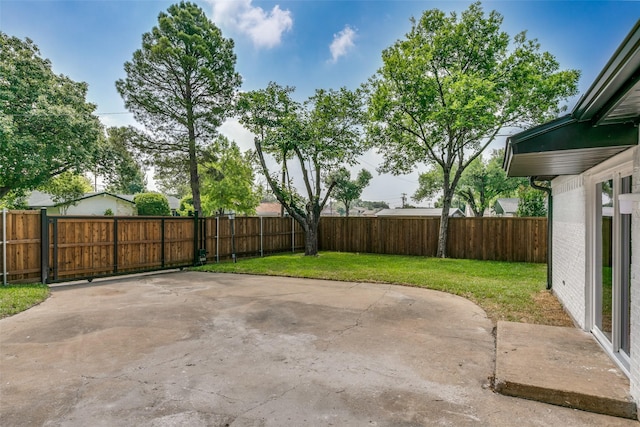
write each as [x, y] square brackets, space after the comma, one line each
[560, 366]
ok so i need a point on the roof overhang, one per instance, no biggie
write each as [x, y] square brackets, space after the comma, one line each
[602, 124]
[565, 147]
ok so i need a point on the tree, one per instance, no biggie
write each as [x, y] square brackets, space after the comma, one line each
[444, 93]
[321, 135]
[347, 190]
[66, 188]
[46, 125]
[531, 202]
[153, 204]
[227, 181]
[374, 204]
[480, 185]
[172, 175]
[181, 85]
[117, 165]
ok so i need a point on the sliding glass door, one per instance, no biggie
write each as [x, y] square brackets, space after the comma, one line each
[612, 267]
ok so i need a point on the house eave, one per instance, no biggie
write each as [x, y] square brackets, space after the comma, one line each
[602, 124]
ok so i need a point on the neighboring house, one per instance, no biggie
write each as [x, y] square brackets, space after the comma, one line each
[269, 209]
[436, 212]
[506, 206]
[89, 204]
[174, 204]
[592, 159]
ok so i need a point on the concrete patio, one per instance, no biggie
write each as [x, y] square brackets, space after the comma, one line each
[202, 349]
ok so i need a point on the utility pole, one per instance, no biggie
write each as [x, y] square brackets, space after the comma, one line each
[404, 199]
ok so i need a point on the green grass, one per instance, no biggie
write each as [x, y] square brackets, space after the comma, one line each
[17, 298]
[506, 291]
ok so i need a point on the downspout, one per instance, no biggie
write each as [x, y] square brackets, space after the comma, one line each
[547, 190]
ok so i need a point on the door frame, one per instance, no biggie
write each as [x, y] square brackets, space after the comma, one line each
[615, 168]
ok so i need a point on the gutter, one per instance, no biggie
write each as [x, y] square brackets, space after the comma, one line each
[532, 182]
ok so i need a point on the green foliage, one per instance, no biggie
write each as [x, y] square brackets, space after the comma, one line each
[480, 185]
[153, 204]
[172, 174]
[227, 181]
[322, 135]
[14, 200]
[108, 212]
[17, 298]
[506, 291]
[347, 190]
[181, 86]
[46, 125]
[66, 188]
[444, 93]
[373, 205]
[186, 206]
[531, 202]
[117, 165]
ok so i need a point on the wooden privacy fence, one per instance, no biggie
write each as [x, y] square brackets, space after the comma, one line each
[487, 238]
[86, 247]
[90, 246]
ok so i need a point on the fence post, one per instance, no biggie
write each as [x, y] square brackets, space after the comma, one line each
[261, 236]
[4, 246]
[44, 246]
[196, 255]
[162, 255]
[115, 245]
[293, 235]
[217, 238]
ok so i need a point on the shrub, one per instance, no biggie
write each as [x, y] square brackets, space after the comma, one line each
[108, 212]
[154, 204]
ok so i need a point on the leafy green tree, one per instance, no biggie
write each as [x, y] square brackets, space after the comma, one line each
[181, 85]
[444, 93]
[227, 181]
[321, 135]
[347, 190]
[171, 175]
[153, 204]
[186, 206]
[46, 125]
[14, 200]
[480, 185]
[374, 204]
[531, 202]
[121, 171]
[66, 188]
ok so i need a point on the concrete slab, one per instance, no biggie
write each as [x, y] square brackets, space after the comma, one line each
[202, 349]
[561, 366]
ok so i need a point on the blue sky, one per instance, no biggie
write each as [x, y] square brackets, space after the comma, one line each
[308, 44]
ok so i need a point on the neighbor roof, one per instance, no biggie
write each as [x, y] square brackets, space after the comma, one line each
[602, 124]
[508, 204]
[38, 199]
[418, 212]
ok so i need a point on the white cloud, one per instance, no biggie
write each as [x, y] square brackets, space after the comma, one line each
[264, 28]
[342, 43]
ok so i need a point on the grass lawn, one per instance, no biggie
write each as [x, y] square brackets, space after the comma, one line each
[506, 291]
[17, 298]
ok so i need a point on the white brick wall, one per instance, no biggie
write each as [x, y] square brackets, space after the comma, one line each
[635, 284]
[569, 244]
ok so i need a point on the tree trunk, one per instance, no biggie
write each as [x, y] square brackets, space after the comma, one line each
[444, 227]
[346, 208]
[311, 238]
[195, 178]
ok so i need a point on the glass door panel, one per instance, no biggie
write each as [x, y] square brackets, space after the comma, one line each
[604, 262]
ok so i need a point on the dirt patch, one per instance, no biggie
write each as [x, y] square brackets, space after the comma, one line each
[552, 313]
